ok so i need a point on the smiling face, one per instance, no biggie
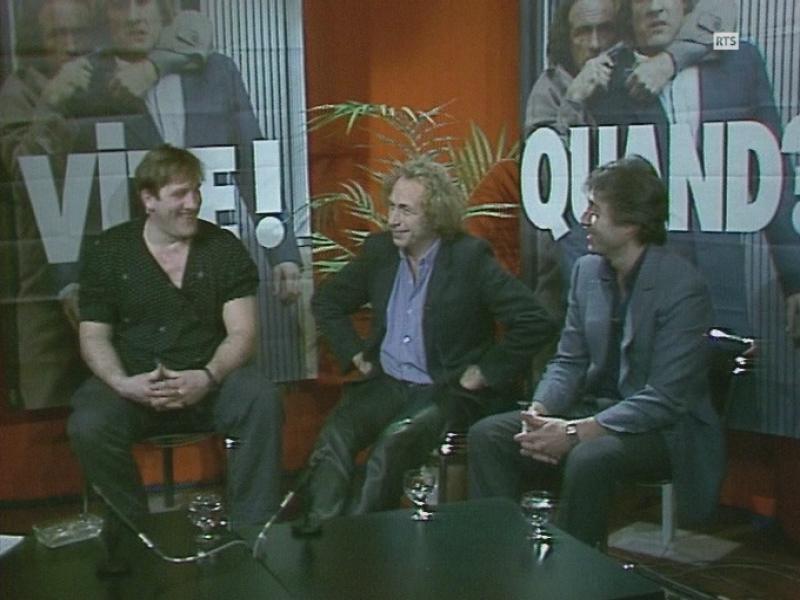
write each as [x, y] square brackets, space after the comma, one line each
[134, 25]
[411, 231]
[591, 29]
[603, 234]
[173, 212]
[656, 23]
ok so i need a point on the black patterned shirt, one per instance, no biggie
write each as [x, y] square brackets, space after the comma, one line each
[153, 320]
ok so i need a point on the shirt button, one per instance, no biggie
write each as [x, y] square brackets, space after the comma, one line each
[406, 339]
[162, 329]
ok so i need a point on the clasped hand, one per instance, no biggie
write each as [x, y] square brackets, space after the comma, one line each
[545, 440]
[164, 389]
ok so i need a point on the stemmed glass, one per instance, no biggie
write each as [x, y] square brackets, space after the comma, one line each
[206, 513]
[418, 485]
[537, 507]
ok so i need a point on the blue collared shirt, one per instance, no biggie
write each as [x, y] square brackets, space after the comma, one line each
[403, 348]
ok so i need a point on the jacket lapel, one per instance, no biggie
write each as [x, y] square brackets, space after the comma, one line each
[600, 305]
[436, 286]
[640, 307]
[384, 282]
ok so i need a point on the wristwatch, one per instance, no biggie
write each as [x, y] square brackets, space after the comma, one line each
[571, 429]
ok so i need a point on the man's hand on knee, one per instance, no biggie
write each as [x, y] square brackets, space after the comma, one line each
[472, 379]
[144, 388]
[183, 389]
[545, 440]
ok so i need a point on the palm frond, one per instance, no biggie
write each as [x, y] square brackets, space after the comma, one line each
[408, 133]
[322, 244]
[357, 235]
[495, 210]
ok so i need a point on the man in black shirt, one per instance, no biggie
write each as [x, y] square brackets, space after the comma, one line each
[168, 325]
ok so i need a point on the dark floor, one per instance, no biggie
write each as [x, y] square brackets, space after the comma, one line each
[766, 565]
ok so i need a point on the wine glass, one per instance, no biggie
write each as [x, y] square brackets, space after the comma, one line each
[537, 507]
[205, 513]
[418, 484]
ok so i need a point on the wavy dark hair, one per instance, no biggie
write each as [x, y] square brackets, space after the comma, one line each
[166, 7]
[625, 17]
[635, 194]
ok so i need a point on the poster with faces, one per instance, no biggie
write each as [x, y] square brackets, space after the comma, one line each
[89, 88]
[707, 92]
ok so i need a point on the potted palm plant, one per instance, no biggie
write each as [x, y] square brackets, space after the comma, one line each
[405, 133]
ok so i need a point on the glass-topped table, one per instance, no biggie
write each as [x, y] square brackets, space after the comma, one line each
[471, 550]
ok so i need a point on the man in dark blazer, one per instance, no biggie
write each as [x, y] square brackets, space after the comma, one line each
[432, 359]
[626, 396]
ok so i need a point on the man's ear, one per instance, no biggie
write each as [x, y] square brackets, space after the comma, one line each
[147, 198]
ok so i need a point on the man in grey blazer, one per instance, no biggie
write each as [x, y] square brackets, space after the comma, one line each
[626, 396]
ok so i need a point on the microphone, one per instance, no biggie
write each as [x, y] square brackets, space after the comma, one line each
[152, 546]
[301, 482]
[736, 345]
[720, 335]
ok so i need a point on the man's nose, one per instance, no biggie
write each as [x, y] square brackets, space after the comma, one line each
[594, 40]
[193, 200]
[586, 219]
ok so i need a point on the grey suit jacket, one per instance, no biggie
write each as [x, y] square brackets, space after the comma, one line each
[663, 376]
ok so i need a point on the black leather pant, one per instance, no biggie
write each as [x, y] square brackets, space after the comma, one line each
[401, 422]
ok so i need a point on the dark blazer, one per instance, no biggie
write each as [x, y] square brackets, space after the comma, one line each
[663, 375]
[468, 294]
[734, 87]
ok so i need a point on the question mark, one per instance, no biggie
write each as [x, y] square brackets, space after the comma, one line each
[791, 143]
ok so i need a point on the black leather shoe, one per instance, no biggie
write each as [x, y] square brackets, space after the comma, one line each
[307, 526]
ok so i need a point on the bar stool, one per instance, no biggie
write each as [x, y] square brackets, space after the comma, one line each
[167, 444]
[730, 357]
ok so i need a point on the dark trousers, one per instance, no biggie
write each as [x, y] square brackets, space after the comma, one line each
[401, 422]
[103, 428]
[589, 473]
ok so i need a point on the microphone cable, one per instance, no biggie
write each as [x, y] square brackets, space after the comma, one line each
[287, 499]
[151, 545]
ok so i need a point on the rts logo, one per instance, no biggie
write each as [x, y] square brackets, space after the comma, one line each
[726, 40]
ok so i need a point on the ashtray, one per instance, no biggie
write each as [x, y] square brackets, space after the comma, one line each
[68, 531]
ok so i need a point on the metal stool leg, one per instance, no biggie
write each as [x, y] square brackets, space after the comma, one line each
[169, 477]
[667, 514]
